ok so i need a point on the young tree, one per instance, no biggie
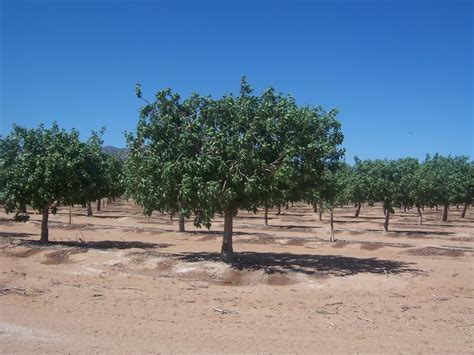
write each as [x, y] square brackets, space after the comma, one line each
[358, 184]
[114, 186]
[382, 185]
[44, 167]
[94, 172]
[334, 191]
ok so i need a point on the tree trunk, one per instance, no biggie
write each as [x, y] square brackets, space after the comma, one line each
[320, 213]
[22, 208]
[445, 213]
[291, 203]
[387, 219]
[315, 207]
[331, 224]
[98, 204]
[181, 224]
[287, 206]
[89, 209]
[279, 210]
[359, 205]
[405, 209]
[109, 200]
[44, 225]
[227, 250]
[266, 216]
[463, 214]
[70, 214]
[420, 215]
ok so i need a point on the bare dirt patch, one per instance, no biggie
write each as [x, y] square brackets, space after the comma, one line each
[371, 246]
[142, 287]
[61, 256]
[430, 251]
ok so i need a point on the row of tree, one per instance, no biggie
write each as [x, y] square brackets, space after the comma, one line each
[202, 156]
[48, 167]
[404, 183]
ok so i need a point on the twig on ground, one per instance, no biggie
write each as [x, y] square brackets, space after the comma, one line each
[220, 311]
[332, 304]
[366, 319]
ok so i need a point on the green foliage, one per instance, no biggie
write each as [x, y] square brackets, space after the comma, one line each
[447, 180]
[162, 171]
[334, 188]
[206, 155]
[45, 166]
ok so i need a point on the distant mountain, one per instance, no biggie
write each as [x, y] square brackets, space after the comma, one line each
[122, 153]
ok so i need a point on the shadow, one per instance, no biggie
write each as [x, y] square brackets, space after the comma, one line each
[305, 263]
[289, 226]
[235, 233]
[407, 233]
[112, 216]
[423, 233]
[15, 235]
[100, 245]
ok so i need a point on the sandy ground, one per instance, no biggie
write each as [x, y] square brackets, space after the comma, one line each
[122, 283]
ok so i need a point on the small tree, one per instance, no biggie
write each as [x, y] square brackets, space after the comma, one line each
[358, 184]
[382, 185]
[114, 186]
[44, 167]
[334, 191]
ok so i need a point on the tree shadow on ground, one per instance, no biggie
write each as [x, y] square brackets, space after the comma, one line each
[306, 263]
[100, 245]
[15, 235]
[407, 233]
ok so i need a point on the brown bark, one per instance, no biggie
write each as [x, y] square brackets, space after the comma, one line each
[266, 216]
[463, 214]
[227, 250]
[181, 224]
[98, 204]
[331, 224]
[279, 210]
[70, 214]
[387, 219]
[445, 213]
[44, 225]
[89, 209]
[320, 213]
[420, 215]
[287, 206]
[359, 205]
[315, 207]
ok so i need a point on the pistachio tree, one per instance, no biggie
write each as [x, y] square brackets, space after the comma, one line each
[447, 180]
[43, 168]
[203, 156]
[334, 191]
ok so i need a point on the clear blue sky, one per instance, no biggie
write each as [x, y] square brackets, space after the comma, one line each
[400, 72]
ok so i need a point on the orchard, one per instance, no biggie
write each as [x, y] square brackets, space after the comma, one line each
[198, 157]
